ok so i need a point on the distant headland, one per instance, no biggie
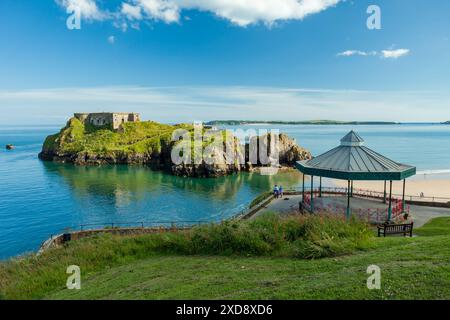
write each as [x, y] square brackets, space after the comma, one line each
[309, 122]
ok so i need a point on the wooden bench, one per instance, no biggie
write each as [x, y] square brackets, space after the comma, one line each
[405, 229]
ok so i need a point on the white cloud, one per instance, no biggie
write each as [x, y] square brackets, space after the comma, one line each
[243, 13]
[239, 12]
[186, 104]
[87, 8]
[388, 54]
[350, 53]
[112, 39]
[164, 10]
[394, 54]
[131, 12]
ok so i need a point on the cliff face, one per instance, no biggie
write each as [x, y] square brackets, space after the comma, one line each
[150, 143]
[218, 161]
[288, 151]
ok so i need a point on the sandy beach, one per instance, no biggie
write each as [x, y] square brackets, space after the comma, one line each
[430, 185]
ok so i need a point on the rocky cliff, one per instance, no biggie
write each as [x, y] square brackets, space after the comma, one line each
[150, 143]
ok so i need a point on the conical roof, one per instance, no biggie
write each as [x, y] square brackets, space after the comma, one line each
[352, 139]
[354, 161]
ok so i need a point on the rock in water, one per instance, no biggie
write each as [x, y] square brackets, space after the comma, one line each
[289, 152]
[217, 161]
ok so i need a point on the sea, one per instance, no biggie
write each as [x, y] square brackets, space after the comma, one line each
[39, 199]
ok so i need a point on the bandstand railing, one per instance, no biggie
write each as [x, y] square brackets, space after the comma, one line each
[370, 215]
[371, 194]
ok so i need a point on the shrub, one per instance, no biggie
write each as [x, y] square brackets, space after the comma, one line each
[227, 238]
[309, 237]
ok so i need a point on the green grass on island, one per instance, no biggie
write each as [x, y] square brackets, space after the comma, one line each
[306, 257]
[133, 139]
[136, 137]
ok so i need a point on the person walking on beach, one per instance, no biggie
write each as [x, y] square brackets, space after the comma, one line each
[276, 191]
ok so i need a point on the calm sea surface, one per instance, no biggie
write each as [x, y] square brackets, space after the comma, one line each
[38, 199]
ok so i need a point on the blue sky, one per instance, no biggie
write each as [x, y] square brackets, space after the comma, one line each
[185, 60]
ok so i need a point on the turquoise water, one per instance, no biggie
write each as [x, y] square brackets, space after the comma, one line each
[38, 199]
[427, 146]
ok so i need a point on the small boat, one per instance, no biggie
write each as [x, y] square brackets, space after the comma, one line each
[9, 147]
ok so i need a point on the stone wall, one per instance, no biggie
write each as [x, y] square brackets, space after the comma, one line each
[113, 119]
[81, 116]
[119, 118]
[100, 119]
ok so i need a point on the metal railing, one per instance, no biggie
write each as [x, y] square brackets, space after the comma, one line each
[371, 194]
[242, 213]
[371, 215]
[157, 224]
[141, 224]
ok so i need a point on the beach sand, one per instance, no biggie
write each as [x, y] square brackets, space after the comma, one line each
[431, 186]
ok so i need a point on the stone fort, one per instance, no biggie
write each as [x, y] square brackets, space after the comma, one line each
[113, 119]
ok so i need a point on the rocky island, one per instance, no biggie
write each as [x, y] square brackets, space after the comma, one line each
[121, 138]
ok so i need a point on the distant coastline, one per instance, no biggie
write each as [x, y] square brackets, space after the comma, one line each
[313, 122]
[310, 122]
[255, 122]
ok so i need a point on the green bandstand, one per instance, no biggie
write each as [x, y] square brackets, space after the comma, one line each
[353, 161]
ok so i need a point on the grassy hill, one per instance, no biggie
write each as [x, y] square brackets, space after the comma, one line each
[145, 137]
[220, 262]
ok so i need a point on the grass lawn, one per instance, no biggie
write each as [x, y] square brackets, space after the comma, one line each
[411, 268]
[435, 227]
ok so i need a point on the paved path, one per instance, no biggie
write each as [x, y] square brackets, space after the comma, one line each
[289, 204]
